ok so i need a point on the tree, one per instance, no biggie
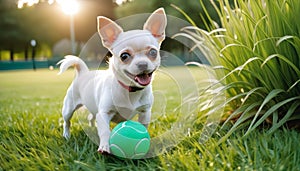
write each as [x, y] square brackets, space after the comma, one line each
[11, 29]
[47, 23]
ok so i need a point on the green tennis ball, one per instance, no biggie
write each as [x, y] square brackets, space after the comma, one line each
[129, 139]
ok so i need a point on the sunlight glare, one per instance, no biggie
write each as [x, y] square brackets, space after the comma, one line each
[69, 7]
[21, 3]
[50, 2]
[119, 2]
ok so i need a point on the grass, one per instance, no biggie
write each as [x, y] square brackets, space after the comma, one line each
[31, 135]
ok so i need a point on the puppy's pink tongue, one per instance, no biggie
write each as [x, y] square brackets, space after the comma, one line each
[143, 79]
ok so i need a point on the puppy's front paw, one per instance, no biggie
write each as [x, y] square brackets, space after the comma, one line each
[66, 128]
[67, 134]
[104, 149]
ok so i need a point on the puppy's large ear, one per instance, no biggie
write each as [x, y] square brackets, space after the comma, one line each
[108, 30]
[156, 24]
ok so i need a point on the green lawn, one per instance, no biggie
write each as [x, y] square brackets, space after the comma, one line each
[31, 134]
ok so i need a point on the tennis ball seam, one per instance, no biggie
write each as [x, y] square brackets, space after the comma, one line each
[138, 143]
[116, 146]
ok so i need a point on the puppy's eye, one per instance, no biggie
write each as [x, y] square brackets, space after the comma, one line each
[152, 53]
[125, 56]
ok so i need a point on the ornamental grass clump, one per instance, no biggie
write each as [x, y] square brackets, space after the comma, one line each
[257, 48]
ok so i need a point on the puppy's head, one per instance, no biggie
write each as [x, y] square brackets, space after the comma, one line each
[136, 52]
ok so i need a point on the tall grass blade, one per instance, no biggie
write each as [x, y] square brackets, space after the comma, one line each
[268, 98]
[269, 112]
[283, 58]
[286, 117]
[185, 14]
[284, 38]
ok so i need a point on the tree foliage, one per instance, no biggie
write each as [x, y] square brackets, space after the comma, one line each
[10, 27]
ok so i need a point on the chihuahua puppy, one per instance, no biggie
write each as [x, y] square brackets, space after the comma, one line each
[124, 89]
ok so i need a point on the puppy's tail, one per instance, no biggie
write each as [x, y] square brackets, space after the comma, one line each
[71, 60]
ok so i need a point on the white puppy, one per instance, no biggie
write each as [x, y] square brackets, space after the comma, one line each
[123, 90]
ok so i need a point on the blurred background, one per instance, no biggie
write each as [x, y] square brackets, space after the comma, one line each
[45, 30]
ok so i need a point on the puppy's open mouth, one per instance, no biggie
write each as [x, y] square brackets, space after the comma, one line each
[143, 79]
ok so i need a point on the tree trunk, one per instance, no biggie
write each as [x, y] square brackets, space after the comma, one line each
[26, 53]
[12, 54]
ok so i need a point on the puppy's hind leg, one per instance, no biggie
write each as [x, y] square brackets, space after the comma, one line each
[71, 103]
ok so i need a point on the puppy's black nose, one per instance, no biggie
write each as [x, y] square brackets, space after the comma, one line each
[142, 66]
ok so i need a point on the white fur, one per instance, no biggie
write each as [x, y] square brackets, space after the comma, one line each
[100, 91]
